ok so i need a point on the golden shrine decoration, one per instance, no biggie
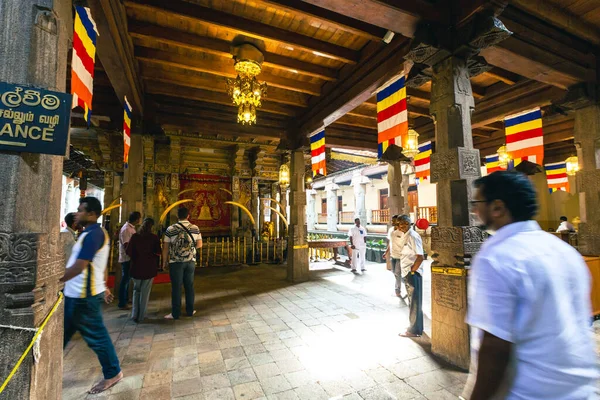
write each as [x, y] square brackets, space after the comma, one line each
[245, 90]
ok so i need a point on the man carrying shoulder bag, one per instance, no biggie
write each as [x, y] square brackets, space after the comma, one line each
[181, 242]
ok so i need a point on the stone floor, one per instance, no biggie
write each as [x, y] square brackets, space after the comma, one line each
[257, 336]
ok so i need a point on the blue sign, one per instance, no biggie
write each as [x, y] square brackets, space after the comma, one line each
[34, 120]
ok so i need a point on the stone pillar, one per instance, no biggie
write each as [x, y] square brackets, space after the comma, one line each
[175, 159]
[587, 139]
[235, 213]
[283, 199]
[133, 180]
[150, 206]
[398, 189]
[311, 212]
[274, 216]
[297, 256]
[359, 183]
[332, 206]
[34, 38]
[454, 167]
[255, 205]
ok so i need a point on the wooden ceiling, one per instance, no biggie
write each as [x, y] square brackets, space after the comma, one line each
[323, 61]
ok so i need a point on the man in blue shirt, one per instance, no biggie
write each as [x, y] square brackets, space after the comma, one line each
[85, 290]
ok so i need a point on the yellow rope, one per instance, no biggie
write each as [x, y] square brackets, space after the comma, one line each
[37, 334]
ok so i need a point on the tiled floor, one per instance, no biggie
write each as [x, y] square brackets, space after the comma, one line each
[258, 336]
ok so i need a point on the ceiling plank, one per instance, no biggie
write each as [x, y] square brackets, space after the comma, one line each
[356, 120]
[215, 84]
[169, 89]
[337, 20]
[195, 13]
[503, 76]
[222, 48]
[221, 68]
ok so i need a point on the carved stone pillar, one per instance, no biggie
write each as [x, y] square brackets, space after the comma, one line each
[255, 204]
[454, 167]
[587, 140]
[311, 212]
[235, 214]
[34, 38]
[274, 216]
[133, 180]
[175, 160]
[298, 267]
[398, 189]
[285, 209]
[332, 206]
[359, 184]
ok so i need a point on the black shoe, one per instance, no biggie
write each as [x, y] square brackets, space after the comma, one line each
[364, 270]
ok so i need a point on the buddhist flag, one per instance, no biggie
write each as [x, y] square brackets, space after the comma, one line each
[556, 174]
[423, 162]
[392, 115]
[126, 132]
[492, 163]
[82, 63]
[317, 152]
[524, 137]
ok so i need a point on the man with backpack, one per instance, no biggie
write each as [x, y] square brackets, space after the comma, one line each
[180, 246]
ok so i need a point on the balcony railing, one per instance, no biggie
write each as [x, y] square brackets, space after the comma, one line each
[345, 217]
[429, 213]
[380, 216]
[321, 218]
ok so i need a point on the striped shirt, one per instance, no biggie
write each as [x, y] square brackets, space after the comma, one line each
[181, 248]
[92, 246]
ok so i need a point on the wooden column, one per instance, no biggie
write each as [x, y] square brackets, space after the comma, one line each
[297, 256]
[133, 180]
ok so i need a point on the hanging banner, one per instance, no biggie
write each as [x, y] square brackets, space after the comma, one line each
[83, 61]
[126, 132]
[34, 120]
[392, 115]
[525, 137]
[317, 151]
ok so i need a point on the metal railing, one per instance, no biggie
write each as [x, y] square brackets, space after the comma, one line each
[380, 216]
[429, 213]
[234, 251]
[345, 217]
[321, 218]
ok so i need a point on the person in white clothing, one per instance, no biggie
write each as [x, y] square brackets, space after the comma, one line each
[529, 303]
[358, 243]
[565, 225]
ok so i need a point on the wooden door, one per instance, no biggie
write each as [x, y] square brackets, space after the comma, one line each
[323, 206]
[383, 199]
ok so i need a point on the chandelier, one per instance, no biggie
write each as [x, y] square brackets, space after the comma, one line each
[245, 90]
[503, 157]
[572, 165]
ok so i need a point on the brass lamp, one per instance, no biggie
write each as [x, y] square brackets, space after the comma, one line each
[411, 148]
[503, 157]
[572, 165]
[284, 175]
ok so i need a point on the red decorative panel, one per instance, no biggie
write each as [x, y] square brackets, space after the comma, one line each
[208, 210]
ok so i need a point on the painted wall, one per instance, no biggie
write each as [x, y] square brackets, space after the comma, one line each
[554, 205]
[427, 194]
[347, 193]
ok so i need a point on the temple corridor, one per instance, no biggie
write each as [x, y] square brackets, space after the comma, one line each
[258, 336]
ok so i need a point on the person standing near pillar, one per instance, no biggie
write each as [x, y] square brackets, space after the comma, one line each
[85, 290]
[358, 244]
[127, 231]
[396, 241]
[144, 250]
[72, 228]
[529, 303]
[411, 258]
[179, 252]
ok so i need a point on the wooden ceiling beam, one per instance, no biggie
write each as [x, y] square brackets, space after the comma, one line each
[185, 92]
[334, 19]
[356, 120]
[195, 13]
[212, 126]
[503, 76]
[395, 15]
[357, 88]
[222, 48]
[221, 68]
[114, 51]
[218, 85]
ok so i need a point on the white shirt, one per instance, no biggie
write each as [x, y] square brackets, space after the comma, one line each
[396, 242]
[565, 226]
[181, 247]
[359, 237]
[412, 247]
[127, 231]
[530, 288]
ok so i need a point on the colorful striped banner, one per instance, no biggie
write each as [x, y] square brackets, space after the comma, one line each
[492, 163]
[556, 174]
[392, 115]
[126, 132]
[525, 137]
[82, 63]
[423, 162]
[317, 151]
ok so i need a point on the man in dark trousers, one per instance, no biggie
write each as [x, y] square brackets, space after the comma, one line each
[179, 253]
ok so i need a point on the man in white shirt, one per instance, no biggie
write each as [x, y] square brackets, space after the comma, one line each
[529, 302]
[409, 249]
[565, 225]
[127, 231]
[393, 253]
[358, 243]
